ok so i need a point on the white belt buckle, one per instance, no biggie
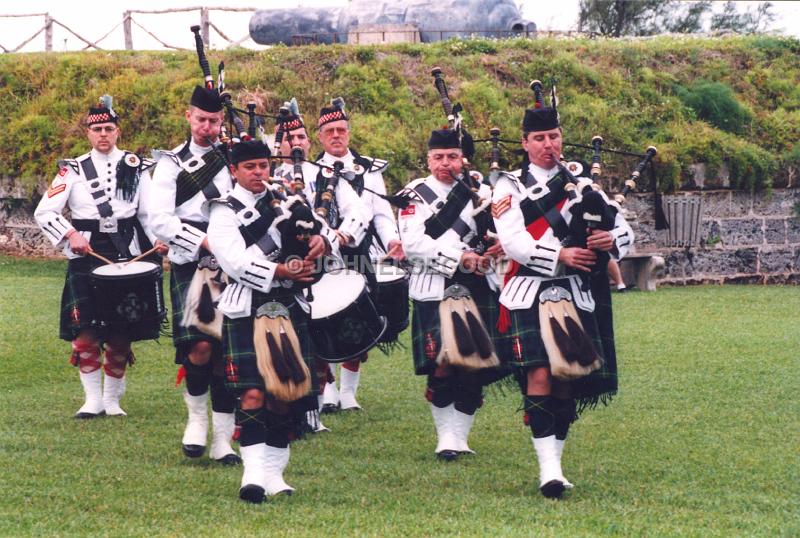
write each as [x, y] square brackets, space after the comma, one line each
[108, 225]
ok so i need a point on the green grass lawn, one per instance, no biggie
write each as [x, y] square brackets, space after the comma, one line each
[702, 440]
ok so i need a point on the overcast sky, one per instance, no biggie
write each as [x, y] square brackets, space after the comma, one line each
[92, 19]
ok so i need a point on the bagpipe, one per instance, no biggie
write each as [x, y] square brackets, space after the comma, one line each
[570, 349]
[466, 342]
[467, 183]
[284, 208]
[208, 281]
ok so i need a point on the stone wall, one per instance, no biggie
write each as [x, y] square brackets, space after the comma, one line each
[19, 233]
[743, 237]
[379, 34]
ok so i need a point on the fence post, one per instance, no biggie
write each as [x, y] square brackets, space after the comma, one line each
[204, 26]
[48, 33]
[126, 28]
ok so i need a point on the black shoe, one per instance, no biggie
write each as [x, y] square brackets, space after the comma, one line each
[329, 409]
[193, 451]
[447, 455]
[553, 489]
[252, 494]
[228, 459]
[87, 416]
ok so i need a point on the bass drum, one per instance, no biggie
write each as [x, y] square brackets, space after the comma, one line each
[344, 321]
[129, 299]
[391, 299]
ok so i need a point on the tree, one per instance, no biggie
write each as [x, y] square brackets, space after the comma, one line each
[615, 18]
[749, 22]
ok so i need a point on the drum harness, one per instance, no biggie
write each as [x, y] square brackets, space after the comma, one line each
[119, 231]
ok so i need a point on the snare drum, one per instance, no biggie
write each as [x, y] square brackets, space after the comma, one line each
[391, 299]
[129, 299]
[344, 321]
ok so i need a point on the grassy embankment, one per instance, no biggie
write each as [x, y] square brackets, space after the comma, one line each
[732, 100]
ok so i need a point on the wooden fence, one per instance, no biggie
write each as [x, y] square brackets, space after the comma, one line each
[127, 23]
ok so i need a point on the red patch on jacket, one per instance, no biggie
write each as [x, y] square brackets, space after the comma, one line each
[63, 171]
[410, 210]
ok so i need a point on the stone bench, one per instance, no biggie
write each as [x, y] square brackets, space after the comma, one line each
[642, 269]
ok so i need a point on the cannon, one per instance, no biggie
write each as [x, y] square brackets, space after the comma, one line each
[431, 20]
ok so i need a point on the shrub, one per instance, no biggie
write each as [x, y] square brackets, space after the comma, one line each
[716, 103]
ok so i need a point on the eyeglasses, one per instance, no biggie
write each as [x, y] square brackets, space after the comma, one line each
[336, 130]
[107, 128]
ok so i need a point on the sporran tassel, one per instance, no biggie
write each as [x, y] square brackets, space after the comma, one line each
[480, 336]
[279, 361]
[205, 307]
[464, 341]
[585, 348]
[298, 376]
[563, 341]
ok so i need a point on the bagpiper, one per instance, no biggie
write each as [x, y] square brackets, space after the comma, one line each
[271, 251]
[185, 179]
[555, 313]
[454, 304]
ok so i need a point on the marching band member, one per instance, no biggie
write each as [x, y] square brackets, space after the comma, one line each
[102, 189]
[450, 344]
[183, 181]
[349, 212]
[264, 301]
[553, 315]
[333, 131]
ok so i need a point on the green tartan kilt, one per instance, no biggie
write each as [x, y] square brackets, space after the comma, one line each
[78, 311]
[239, 351]
[180, 277]
[426, 340]
[523, 343]
[77, 306]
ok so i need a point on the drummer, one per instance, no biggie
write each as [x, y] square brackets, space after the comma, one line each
[102, 189]
[349, 214]
[252, 250]
[333, 130]
[442, 261]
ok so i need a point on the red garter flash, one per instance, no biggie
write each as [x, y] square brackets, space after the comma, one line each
[179, 376]
[231, 370]
[430, 347]
[516, 347]
[75, 316]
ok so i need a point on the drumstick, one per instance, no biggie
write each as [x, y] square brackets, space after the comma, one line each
[99, 257]
[142, 255]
